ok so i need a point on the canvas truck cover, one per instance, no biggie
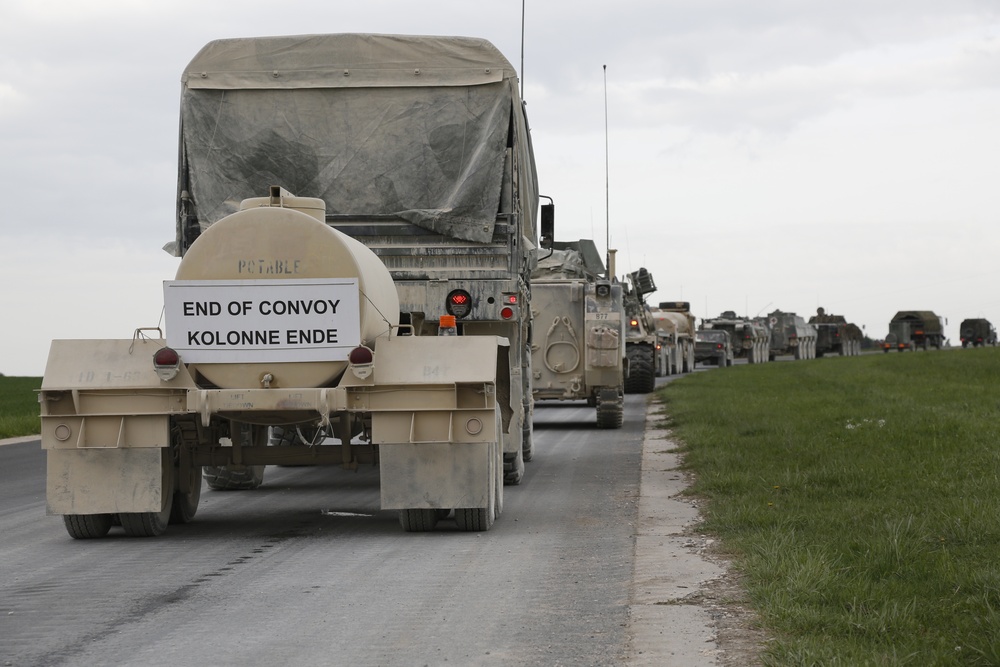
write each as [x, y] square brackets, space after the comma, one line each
[406, 126]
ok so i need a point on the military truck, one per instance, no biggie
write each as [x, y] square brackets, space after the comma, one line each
[750, 339]
[914, 329]
[713, 346]
[578, 343]
[642, 346]
[977, 332]
[835, 335]
[418, 145]
[676, 326]
[321, 314]
[790, 335]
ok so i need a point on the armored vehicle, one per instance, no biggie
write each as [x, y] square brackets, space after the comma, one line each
[835, 335]
[913, 329]
[713, 346]
[421, 152]
[578, 345]
[977, 333]
[642, 346]
[321, 315]
[676, 326]
[750, 339]
[791, 335]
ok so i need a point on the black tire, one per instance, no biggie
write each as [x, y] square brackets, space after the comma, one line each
[641, 378]
[513, 468]
[87, 526]
[527, 437]
[186, 504]
[418, 520]
[233, 477]
[478, 519]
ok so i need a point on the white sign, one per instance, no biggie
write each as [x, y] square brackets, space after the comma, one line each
[249, 321]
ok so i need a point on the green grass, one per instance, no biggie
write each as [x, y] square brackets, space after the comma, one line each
[19, 406]
[860, 497]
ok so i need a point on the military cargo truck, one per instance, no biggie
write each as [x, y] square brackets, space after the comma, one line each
[642, 346]
[676, 326]
[977, 333]
[387, 310]
[713, 346]
[578, 345]
[440, 183]
[790, 335]
[914, 329]
[750, 339]
[835, 335]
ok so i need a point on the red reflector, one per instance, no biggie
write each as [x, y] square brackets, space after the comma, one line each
[360, 355]
[506, 312]
[166, 356]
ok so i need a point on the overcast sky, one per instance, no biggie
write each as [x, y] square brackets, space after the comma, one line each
[768, 154]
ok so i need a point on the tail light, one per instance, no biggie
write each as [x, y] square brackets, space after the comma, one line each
[506, 312]
[166, 363]
[361, 360]
[458, 303]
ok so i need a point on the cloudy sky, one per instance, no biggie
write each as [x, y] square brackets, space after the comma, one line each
[770, 154]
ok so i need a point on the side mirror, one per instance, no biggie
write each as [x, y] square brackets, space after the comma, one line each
[548, 227]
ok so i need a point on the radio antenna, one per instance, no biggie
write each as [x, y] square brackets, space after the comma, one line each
[607, 182]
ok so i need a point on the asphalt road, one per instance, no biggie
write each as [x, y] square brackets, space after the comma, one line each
[307, 570]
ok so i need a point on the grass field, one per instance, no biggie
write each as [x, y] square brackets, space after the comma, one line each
[860, 498]
[19, 406]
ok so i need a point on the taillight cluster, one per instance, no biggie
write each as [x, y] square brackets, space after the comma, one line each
[459, 303]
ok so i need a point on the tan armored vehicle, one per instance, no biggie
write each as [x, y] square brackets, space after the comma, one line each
[750, 340]
[384, 315]
[676, 328]
[578, 345]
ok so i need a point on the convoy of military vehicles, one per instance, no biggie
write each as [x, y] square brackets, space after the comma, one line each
[354, 290]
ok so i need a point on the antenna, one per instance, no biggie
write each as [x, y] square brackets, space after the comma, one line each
[522, 49]
[607, 181]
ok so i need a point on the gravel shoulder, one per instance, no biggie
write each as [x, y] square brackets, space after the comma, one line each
[687, 607]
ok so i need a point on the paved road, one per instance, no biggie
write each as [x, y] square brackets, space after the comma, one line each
[307, 570]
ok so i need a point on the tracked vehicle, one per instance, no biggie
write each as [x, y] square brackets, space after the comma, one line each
[578, 349]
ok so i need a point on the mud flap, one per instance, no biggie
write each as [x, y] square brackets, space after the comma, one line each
[105, 481]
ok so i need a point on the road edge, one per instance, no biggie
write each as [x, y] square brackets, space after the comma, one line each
[669, 623]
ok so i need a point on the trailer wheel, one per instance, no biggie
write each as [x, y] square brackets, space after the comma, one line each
[151, 524]
[476, 519]
[419, 520]
[87, 526]
[186, 504]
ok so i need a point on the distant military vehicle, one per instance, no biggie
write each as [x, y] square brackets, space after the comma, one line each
[641, 341]
[675, 325]
[835, 335]
[751, 340]
[977, 333]
[578, 341]
[713, 346]
[790, 335]
[913, 329]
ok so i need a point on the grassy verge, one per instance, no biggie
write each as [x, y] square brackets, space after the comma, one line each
[19, 406]
[861, 499]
